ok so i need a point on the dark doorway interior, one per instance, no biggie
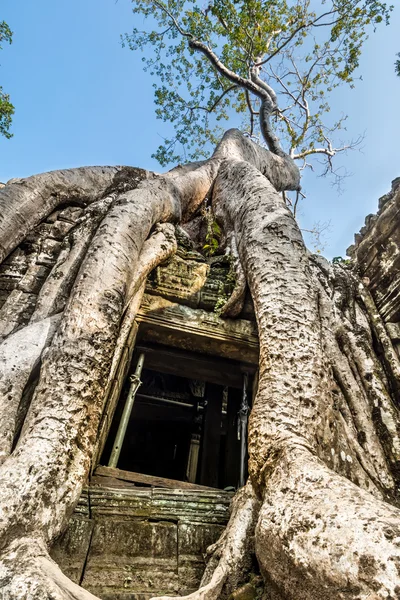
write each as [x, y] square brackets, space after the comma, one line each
[182, 427]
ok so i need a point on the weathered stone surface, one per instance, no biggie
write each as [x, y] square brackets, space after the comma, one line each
[49, 251]
[190, 279]
[157, 503]
[33, 279]
[132, 554]
[132, 544]
[16, 311]
[24, 272]
[71, 550]
[198, 330]
[179, 281]
[70, 214]
[194, 538]
[377, 252]
[60, 229]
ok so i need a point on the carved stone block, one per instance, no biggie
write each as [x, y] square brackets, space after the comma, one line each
[132, 555]
[70, 551]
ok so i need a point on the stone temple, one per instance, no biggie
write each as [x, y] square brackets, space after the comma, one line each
[171, 448]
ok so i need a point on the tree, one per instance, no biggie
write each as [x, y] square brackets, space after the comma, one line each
[397, 65]
[321, 502]
[6, 108]
[261, 58]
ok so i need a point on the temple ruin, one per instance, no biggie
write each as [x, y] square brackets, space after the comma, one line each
[171, 448]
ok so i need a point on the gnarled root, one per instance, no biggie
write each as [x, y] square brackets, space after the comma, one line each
[27, 571]
[234, 305]
[56, 289]
[321, 536]
[19, 355]
[25, 202]
[230, 557]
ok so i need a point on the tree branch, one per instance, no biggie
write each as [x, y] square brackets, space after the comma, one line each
[292, 35]
[289, 92]
[218, 100]
[254, 75]
[223, 70]
[251, 111]
[174, 21]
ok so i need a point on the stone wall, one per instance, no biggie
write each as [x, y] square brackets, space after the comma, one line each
[131, 543]
[24, 272]
[376, 251]
[191, 279]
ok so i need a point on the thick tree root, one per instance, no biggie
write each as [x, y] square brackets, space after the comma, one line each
[25, 202]
[320, 536]
[390, 356]
[313, 520]
[323, 436]
[55, 292]
[20, 354]
[28, 572]
[234, 305]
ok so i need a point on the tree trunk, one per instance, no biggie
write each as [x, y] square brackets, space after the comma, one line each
[324, 442]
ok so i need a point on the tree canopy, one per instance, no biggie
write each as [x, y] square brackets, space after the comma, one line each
[6, 108]
[233, 54]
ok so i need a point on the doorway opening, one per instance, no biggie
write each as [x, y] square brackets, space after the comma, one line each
[187, 423]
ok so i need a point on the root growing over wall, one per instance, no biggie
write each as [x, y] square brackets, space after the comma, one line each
[320, 510]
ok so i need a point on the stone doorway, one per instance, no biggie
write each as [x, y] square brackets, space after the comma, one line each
[135, 535]
[186, 422]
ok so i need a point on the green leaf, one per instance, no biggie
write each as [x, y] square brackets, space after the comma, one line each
[199, 102]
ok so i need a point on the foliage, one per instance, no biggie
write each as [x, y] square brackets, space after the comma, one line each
[397, 65]
[6, 108]
[213, 234]
[225, 287]
[302, 53]
[339, 260]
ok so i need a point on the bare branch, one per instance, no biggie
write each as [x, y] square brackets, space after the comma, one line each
[299, 194]
[329, 151]
[251, 110]
[287, 90]
[255, 78]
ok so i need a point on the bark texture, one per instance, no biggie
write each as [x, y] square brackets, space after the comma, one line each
[325, 469]
[320, 508]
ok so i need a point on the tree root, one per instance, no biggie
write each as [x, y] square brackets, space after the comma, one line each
[390, 357]
[57, 287]
[19, 355]
[26, 202]
[319, 535]
[27, 571]
[361, 390]
[234, 305]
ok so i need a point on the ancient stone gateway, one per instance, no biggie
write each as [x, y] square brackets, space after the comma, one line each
[142, 529]
[144, 521]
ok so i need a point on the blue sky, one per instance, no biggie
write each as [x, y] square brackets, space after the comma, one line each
[81, 99]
